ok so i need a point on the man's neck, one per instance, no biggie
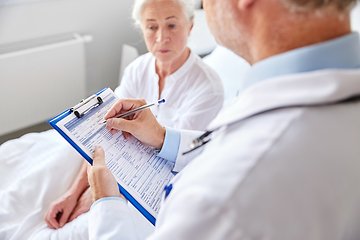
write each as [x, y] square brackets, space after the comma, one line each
[301, 29]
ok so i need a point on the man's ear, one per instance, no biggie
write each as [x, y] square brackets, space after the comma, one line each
[245, 4]
[191, 27]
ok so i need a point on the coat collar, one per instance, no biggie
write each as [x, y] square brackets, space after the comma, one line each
[339, 53]
[303, 89]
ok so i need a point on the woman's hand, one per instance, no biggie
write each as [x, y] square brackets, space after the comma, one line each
[83, 204]
[59, 210]
[101, 180]
[67, 208]
[142, 125]
[72, 203]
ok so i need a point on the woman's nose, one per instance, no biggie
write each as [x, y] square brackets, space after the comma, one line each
[162, 36]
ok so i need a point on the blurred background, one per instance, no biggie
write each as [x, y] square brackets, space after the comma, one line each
[53, 53]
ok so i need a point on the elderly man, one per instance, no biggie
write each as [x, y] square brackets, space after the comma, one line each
[284, 158]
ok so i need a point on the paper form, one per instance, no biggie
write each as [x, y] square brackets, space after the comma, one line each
[135, 166]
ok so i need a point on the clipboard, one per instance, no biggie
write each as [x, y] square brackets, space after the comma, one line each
[81, 110]
[66, 113]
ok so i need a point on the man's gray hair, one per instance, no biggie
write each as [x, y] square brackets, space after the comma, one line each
[187, 5]
[308, 5]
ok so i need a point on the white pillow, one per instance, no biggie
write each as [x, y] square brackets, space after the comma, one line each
[201, 41]
[355, 18]
[197, 4]
[231, 69]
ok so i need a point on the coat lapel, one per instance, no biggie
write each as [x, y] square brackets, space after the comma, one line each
[305, 89]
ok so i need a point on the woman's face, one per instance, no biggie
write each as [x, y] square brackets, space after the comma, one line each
[166, 29]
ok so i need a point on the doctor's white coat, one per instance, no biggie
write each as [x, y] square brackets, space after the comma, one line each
[284, 164]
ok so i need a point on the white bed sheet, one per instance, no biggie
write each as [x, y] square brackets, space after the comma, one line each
[34, 171]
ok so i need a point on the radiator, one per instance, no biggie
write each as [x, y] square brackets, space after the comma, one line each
[39, 79]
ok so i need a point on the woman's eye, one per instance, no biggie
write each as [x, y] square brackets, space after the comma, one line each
[172, 25]
[152, 28]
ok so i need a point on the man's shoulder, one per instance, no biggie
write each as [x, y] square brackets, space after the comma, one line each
[236, 148]
[299, 135]
[267, 166]
[311, 164]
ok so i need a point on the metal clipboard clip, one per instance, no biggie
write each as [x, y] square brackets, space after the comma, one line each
[83, 102]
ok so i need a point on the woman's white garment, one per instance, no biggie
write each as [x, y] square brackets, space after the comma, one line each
[194, 93]
[38, 168]
[267, 173]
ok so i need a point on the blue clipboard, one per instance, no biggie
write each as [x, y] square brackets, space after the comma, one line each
[66, 113]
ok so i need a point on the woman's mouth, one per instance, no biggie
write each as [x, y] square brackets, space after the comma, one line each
[163, 50]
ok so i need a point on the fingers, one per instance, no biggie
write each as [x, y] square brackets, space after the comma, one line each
[77, 212]
[142, 125]
[83, 205]
[124, 105]
[120, 124]
[59, 211]
[127, 135]
[50, 218]
[64, 218]
[101, 180]
[46, 220]
[113, 112]
[99, 156]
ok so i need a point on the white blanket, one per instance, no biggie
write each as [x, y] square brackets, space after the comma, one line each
[34, 171]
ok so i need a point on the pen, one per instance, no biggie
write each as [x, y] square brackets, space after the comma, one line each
[138, 109]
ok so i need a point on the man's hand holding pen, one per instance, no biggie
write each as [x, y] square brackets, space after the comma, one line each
[142, 124]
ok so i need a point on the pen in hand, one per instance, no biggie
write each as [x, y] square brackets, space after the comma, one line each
[138, 109]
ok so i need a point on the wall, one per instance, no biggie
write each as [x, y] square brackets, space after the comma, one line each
[108, 21]
[355, 18]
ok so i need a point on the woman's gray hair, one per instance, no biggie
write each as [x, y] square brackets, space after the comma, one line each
[309, 5]
[187, 5]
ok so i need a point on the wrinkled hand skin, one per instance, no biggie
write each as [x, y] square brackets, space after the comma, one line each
[83, 205]
[74, 202]
[142, 125]
[60, 210]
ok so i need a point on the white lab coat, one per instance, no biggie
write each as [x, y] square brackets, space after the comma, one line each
[269, 172]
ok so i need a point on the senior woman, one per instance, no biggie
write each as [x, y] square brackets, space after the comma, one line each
[193, 91]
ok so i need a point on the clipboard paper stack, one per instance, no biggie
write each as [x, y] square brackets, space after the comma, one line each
[141, 175]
